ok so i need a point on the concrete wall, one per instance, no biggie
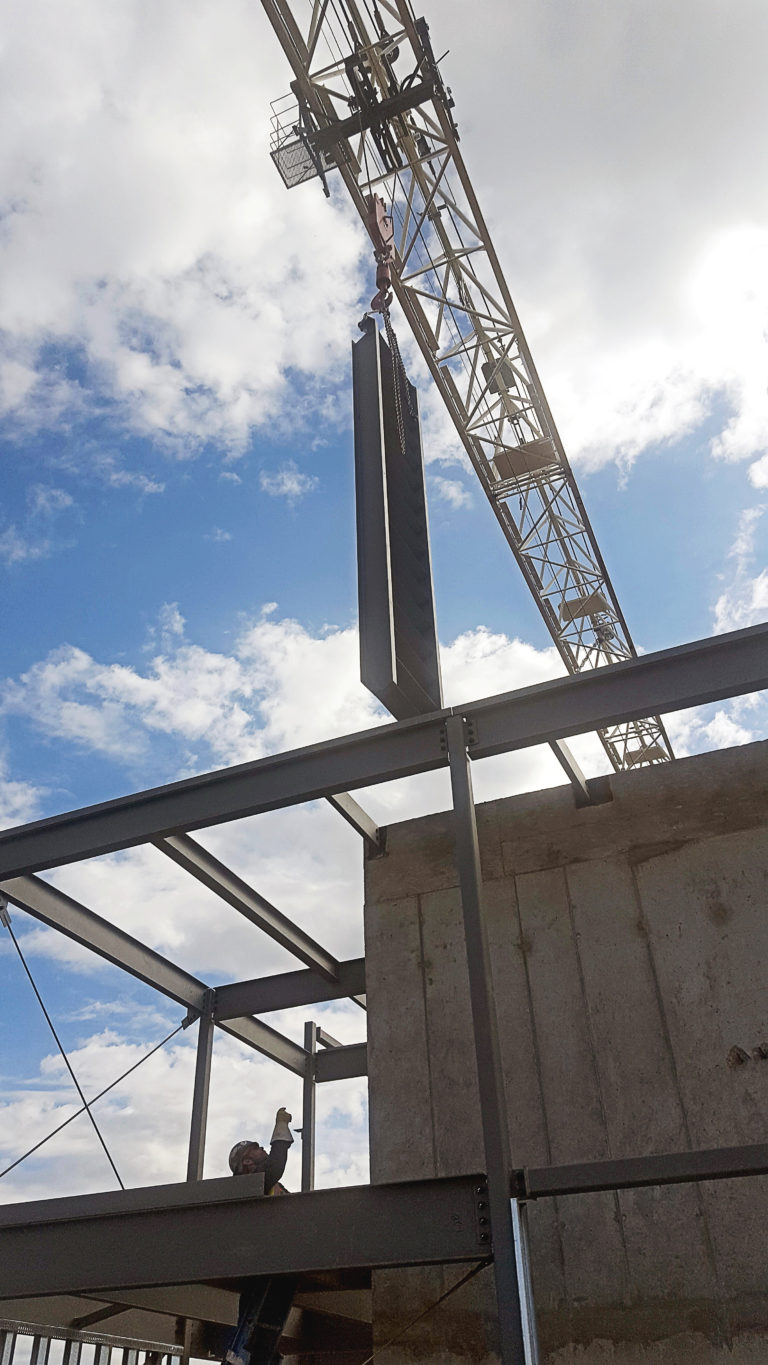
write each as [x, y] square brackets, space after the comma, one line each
[629, 943]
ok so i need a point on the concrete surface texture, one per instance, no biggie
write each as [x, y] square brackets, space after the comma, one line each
[629, 943]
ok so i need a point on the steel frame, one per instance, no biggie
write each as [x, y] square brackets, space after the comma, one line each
[451, 288]
[689, 675]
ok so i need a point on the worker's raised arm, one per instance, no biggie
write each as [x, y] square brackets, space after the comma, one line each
[281, 1139]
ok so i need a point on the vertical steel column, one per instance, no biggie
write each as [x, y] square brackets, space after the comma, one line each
[489, 1074]
[308, 1110]
[199, 1120]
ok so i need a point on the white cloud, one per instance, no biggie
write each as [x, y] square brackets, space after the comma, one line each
[744, 601]
[19, 801]
[287, 482]
[15, 548]
[218, 535]
[148, 228]
[451, 491]
[47, 501]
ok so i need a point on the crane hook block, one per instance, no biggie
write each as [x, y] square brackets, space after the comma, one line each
[381, 230]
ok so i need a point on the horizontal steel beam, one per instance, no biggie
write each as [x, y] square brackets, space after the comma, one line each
[359, 819]
[361, 760]
[61, 912]
[342, 1063]
[237, 893]
[671, 680]
[217, 1230]
[286, 990]
[672, 1168]
[674, 679]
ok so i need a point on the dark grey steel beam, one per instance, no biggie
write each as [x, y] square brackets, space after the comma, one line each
[690, 675]
[286, 990]
[573, 772]
[61, 912]
[217, 1230]
[341, 1063]
[198, 1123]
[671, 680]
[361, 760]
[672, 1168]
[268, 1042]
[493, 1106]
[255, 907]
[359, 819]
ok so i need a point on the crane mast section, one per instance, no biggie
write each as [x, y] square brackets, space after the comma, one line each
[394, 135]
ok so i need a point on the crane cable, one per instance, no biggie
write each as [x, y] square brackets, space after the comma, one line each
[6, 920]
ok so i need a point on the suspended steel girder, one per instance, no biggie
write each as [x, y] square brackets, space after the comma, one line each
[449, 283]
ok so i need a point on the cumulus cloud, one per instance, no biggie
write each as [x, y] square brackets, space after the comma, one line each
[451, 491]
[15, 548]
[744, 600]
[287, 482]
[47, 501]
[19, 801]
[146, 226]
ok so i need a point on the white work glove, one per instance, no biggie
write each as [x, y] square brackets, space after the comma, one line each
[282, 1132]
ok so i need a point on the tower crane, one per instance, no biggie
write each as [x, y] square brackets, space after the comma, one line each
[368, 102]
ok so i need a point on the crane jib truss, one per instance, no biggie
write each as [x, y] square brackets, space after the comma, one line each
[392, 133]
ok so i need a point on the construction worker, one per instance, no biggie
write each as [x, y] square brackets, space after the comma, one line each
[265, 1300]
[250, 1158]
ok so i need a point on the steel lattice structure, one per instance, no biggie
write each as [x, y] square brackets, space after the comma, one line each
[394, 135]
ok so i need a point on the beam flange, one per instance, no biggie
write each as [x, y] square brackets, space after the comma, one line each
[195, 859]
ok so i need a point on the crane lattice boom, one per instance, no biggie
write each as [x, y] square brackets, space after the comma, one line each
[392, 133]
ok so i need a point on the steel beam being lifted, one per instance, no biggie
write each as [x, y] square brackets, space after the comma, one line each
[671, 680]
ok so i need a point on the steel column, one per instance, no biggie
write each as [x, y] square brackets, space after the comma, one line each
[308, 1110]
[489, 1074]
[199, 1119]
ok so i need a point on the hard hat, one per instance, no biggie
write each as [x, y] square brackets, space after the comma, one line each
[238, 1152]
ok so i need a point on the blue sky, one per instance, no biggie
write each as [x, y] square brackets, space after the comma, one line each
[176, 532]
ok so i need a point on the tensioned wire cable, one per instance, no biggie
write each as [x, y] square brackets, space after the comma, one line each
[6, 919]
[100, 1095]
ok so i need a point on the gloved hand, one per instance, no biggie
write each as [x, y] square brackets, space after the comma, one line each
[282, 1132]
